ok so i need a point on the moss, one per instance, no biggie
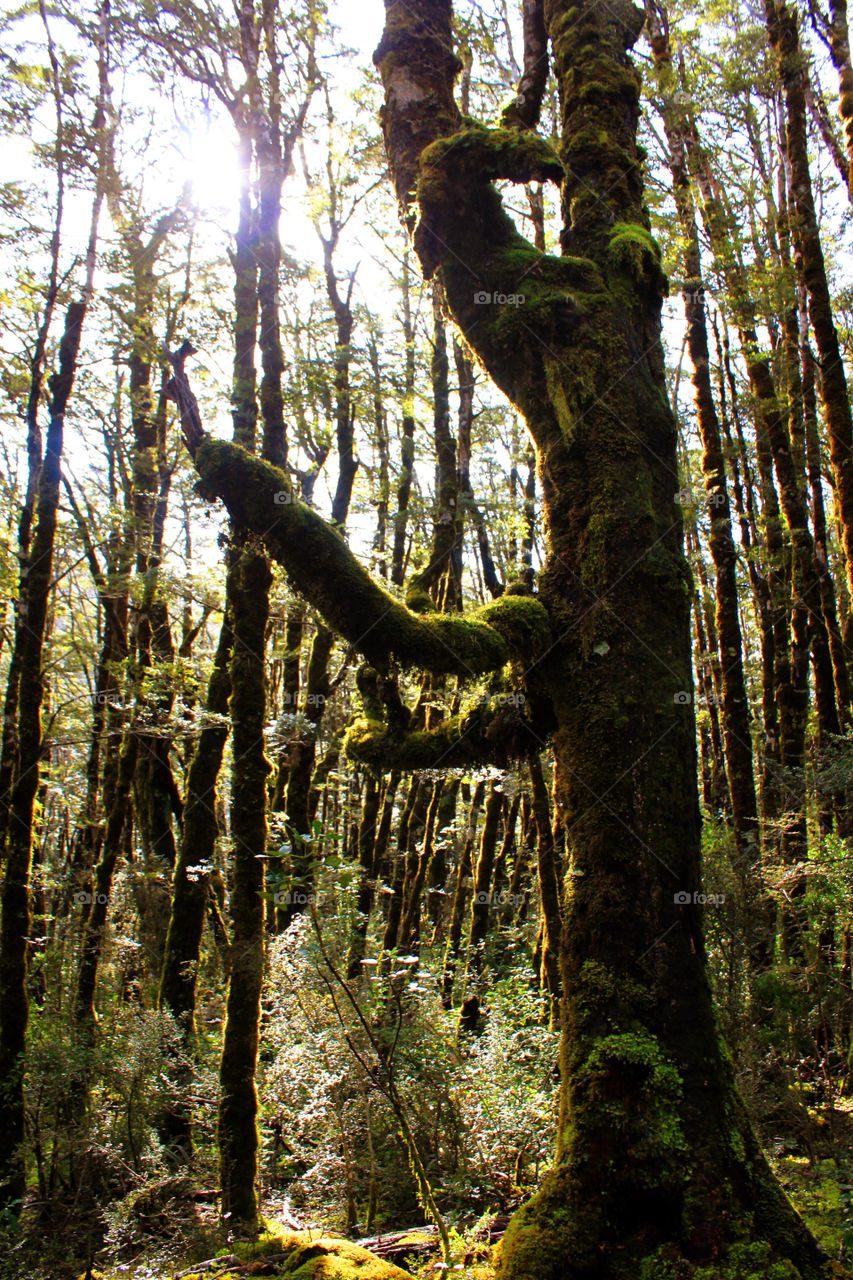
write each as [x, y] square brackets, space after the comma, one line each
[418, 598]
[517, 156]
[644, 1109]
[321, 566]
[249, 582]
[632, 248]
[750, 1261]
[551, 1236]
[299, 1255]
[328, 1259]
[555, 382]
[601, 987]
[522, 623]
[485, 733]
[744, 1262]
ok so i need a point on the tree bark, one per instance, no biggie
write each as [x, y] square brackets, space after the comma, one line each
[735, 702]
[250, 580]
[656, 1161]
[15, 903]
[782, 26]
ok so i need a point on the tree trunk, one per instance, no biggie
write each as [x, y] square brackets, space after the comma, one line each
[840, 50]
[250, 580]
[15, 923]
[549, 890]
[460, 896]
[784, 38]
[735, 702]
[481, 906]
[644, 1077]
[657, 1166]
[191, 879]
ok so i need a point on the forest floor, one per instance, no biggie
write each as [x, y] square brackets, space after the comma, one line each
[312, 1255]
[820, 1187]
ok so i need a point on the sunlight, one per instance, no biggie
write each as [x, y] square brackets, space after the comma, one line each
[208, 160]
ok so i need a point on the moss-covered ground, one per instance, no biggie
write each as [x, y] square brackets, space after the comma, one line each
[822, 1191]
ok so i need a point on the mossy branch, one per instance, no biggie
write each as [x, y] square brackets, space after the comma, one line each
[493, 731]
[321, 566]
[512, 302]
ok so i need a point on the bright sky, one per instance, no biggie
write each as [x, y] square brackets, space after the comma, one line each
[203, 151]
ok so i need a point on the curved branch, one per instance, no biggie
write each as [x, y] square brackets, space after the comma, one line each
[515, 305]
[320, 566]
[493, 731]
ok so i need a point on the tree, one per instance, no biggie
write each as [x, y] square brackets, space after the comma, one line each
[657, 1164]
[33, 608]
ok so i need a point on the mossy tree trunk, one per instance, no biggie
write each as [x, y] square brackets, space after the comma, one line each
[15, 905]
[782, 25]
[549, 888]
[656, 1161]
[466, 375]
[367, 839]
[249, 584]
[735, 702]
[657, 1166]
[155, 792]
[303, 746]
[21, 772]
[840, 50]
[460, 896]
[793, 577]
[198, 840]
[115, 824]
[482, 906]
[191, 879]
[407, 440]
[9, 734]
[143, 756]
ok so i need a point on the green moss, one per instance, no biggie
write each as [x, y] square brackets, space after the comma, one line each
[511, 154]
[522, 623]
[328, 1259]
[480, 735]
[750, 1261]
[306, 1257]
[321, 566]
[633, 248]
[645, 1106]
[744, 1262]
[555, 381]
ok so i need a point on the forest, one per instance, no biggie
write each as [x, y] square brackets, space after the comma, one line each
[426, 640]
